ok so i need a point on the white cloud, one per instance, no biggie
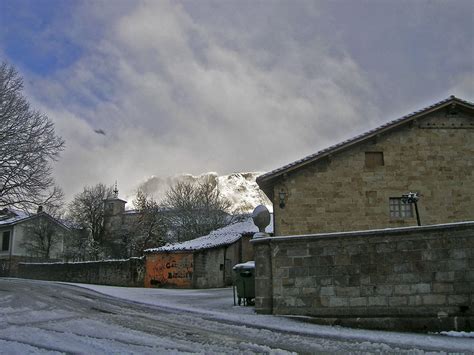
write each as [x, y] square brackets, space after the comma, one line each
[183, 89]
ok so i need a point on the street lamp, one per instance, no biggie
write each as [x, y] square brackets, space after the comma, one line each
[412, 197]
[282, 198]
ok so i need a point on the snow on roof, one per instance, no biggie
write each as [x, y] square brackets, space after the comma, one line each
[11, 216]
[222, 236]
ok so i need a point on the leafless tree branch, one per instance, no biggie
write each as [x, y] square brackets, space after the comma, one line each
[28, 145]
[195, 209]
[86, 212]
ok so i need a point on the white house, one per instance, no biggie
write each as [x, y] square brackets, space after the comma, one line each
[27, 237]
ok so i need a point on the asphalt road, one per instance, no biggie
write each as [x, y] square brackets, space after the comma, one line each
[39, 316]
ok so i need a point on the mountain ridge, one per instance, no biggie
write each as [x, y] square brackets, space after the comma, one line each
[240, 188]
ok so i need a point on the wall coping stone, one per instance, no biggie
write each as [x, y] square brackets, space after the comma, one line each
[371, 232]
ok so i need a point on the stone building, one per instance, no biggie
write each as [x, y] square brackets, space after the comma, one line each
[203, 262]
[16, 234]
[119, 226]
[349, 250]
[116, 218]
[359, 184]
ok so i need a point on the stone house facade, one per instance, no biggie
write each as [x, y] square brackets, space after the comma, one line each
[358, 184]
[118, 225]
[116, 218]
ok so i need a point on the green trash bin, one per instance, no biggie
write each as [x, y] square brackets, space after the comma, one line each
[244, 282]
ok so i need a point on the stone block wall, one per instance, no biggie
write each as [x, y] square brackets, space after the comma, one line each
[129, 273]
[417, 278]
[209, 268]
[9, 265]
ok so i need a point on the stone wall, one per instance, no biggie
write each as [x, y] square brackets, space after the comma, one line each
[9, 265]
[209, 268]
[416, 278]
[434, 157]
[239, 252]
[129, 273]
[213, 267]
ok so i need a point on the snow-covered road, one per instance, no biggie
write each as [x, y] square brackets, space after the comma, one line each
[48, 317]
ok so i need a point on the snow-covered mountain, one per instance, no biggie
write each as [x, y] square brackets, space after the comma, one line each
[240, 188]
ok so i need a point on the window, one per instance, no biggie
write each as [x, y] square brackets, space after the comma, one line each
[399, 209]
[373, 159]
[6, 241]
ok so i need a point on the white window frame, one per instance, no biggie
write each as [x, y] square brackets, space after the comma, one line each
[399, 209]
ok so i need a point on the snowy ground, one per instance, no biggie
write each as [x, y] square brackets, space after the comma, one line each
[219, 304]
[48, 317]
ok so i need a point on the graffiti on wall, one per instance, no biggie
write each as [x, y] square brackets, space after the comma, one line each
[172, 269]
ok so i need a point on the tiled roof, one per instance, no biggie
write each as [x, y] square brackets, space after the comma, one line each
[357, 139]
[222, 236]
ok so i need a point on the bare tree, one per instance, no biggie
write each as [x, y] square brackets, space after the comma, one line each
[150, 230]
[28, 145]
[44, 236]
[86, 211]
[77, 244]
[194, 209]
[45, 232]
[54, 203]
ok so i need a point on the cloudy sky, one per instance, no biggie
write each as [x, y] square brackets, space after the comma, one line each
[141, 88]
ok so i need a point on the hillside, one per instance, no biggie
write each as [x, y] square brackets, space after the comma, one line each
[240, 188]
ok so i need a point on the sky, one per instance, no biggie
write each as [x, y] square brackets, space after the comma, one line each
[158, 88]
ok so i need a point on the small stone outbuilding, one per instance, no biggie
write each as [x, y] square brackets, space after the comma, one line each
[205, 262]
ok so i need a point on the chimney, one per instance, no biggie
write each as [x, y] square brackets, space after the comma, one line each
[40, 209]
